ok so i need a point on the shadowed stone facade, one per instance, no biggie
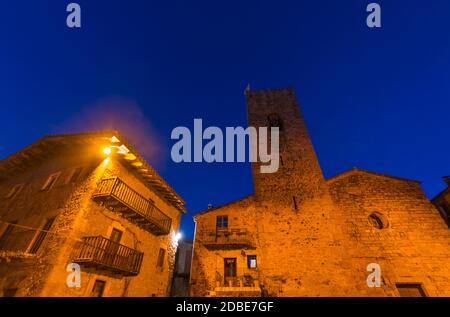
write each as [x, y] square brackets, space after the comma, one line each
[182, 270]
[442, 201]
[300, 234]
[127, 254]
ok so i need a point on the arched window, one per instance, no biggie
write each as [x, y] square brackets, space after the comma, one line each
[377, 220]
[274, 120]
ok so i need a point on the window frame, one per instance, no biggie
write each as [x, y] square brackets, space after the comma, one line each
[378, 220]
[7, 233]
[103, 288]
[222, 227]
[14, 191]
[51, 181]
[70, 180]
[249, 257]
[161, 258]
[40, 236]
[411, 285]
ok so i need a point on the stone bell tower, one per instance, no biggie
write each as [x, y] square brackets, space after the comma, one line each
[299, 176]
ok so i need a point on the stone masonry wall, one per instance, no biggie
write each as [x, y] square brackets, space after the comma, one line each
[44, 274]
[320, 243]
[413, 248]
[151, 281]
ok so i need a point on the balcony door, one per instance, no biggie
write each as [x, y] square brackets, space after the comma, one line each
[116, 235]
[112, 248]
[221, 226]
[229, 271]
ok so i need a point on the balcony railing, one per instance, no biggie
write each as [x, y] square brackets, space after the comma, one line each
[118, 196]
[227, 239]
[241, 286]
[106, 254]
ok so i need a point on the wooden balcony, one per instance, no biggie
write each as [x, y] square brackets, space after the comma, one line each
[228, 239]
[118, 196]
[104, 254]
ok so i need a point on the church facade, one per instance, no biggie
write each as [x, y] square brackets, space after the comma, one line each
[300, 234]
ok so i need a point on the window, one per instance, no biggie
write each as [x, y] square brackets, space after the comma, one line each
[251, 261]
[161, 255]
[41, 236]
[443, 212]
[116, 235]
[274, 121]
[51, 180]
[410, 290]
[187, 261]
[98, 289]
[229, 268]
[75, 175]
[10, 292]
[295, 202]
[221, 222]
[6, 234]
[378, 220]
[14, 191]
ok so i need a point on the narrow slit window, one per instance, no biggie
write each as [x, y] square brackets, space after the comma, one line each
[187, 261]
[294, 200]
[161, 256]
[274, 121]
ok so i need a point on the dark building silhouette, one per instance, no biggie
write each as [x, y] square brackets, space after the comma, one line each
[182, 269]
[442, 201]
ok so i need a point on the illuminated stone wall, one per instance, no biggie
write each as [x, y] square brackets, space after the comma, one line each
[44, 274]
[413, 247]
[313, 236]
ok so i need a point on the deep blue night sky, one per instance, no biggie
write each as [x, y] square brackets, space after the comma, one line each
[378, 99]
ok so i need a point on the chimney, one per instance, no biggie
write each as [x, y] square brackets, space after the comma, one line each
[210, 206]
[446, 180]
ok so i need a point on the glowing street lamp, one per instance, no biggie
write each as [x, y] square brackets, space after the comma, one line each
[177, 237]
[107, 150]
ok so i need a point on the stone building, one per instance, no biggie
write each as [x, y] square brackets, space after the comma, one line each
[182, 270]
[300, 234]
[85, 215]
[442, 201]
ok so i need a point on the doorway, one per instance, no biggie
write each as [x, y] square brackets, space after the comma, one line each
[112, 248]
[229, 271]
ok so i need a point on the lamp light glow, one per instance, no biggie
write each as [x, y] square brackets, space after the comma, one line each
[177, 236]
[107, 150]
